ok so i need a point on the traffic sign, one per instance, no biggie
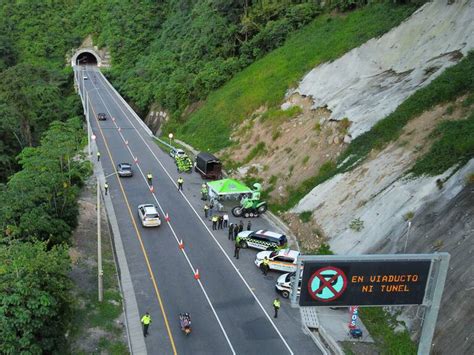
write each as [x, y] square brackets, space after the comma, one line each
[347, 283]
[327, 284]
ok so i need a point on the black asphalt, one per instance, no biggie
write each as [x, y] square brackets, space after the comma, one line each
[248, 328]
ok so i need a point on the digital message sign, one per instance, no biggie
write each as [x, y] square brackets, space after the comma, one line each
[347, 283]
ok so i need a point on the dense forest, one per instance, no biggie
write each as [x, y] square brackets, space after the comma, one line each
[172, 53]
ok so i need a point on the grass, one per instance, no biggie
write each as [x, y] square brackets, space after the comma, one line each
[454, 146]
[265, 82]
[455, 138]
[381, 325]
[305, 216]
[259, 149]
[277, 116]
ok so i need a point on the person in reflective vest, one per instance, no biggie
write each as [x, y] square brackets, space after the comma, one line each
[214, 222]
[265, 265]
[276, 306]
[146, 321]
[180, 183]
[149, 178]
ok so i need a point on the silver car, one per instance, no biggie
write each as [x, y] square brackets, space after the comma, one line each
[148, 215]
[124, 169]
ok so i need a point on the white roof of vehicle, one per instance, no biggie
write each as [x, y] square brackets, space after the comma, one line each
[288, 252]
[268, 233]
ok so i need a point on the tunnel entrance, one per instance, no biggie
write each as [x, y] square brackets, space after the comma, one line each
[86, 58]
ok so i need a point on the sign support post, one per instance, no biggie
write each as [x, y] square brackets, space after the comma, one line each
[294, 286]
[436, 288]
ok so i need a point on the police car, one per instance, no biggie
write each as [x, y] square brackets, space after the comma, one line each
[262, 239]
[279, 260]
[284, 283]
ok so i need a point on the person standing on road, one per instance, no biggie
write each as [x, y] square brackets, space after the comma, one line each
[265, 266]
[211, 208]
[226, 220]
[146, 321]
[106, 187]
[231, 231]
[180, 183]
[220, 219]
[276, 306]
[214, 223]
[236, 249]
[236, 231]
[249, 225]
[98, 156]
[149, 177]
[206, 210]
[241, 226]
[204, 192]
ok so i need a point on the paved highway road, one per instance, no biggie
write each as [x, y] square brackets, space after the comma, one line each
[230, 304]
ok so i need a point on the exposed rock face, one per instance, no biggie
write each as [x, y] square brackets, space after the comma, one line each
[371, 81]
[155, 119]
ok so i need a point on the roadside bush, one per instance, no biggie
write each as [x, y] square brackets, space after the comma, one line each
[35, 300]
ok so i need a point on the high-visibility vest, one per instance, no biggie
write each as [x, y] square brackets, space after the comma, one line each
[146, 319]
[266, 262]
[206, 207]
[276, 303]
[106, 185]
[180, 180]
[214, 219]
[149, 176]
[98, 154]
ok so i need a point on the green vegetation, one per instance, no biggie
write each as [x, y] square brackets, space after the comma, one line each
[276, 116]
[266, 81]
[381, 326]
[454, 146]
[305, 216]
[356, 224]
[259, 149]
[35, 303]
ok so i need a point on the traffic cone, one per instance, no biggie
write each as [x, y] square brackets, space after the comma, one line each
[152, 189]
[181, 244]
[120, 129]
[196, 275]
[167, 218]
[126, 142]
[136, 160]
[113, 119]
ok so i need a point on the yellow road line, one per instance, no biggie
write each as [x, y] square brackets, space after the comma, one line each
[157, 292]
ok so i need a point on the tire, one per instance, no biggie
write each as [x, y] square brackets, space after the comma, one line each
[246, 215]
[262, 209]
[285, 294]
[244, 245]
[237, 211]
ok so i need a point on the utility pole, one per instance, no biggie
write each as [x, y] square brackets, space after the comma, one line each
[99, 248]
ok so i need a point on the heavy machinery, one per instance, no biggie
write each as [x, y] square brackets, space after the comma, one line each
[251, 206]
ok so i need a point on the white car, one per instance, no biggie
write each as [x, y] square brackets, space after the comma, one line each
[177, 153]
[280, 260]
[149, 215]
[284, 283]
[85, 77]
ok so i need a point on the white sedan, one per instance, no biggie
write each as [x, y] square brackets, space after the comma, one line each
[148, 215]
[280, 260]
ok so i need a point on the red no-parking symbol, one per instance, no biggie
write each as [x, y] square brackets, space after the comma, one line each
[327, 284]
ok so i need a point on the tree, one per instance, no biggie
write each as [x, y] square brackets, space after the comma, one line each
[35, 300]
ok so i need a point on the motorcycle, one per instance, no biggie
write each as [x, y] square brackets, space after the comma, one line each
[185, 323]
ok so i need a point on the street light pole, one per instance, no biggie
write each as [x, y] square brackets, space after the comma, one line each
[170, 137]
[99, 248]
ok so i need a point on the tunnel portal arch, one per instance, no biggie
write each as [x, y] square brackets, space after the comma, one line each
[86, 56]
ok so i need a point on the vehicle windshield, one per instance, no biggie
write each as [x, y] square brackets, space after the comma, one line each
[273, 254]
[152, 215]
[126, 167]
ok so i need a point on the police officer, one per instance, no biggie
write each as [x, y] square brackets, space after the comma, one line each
[249, 225]
[206, 210]
[106, 187]
[241, 226]
[149, 178]
[236, 249]
[146, 321]
[220, 220]
[236, 231]
[231, 231]
[265, 265]
[214, 223]
[98, 156]
[276, 306]
[180, 183]
[203, 192]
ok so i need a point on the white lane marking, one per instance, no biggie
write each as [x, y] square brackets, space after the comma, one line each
[171, 227]
[203, 223]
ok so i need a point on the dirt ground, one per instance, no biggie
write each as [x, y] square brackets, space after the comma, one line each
[98, 328]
